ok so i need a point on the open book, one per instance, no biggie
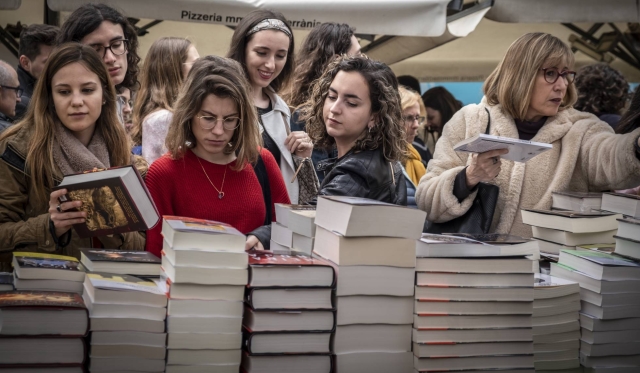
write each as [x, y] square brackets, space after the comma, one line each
[519, 150]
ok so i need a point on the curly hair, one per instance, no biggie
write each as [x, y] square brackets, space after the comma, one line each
[388, 131]
[87, 18]
[601, 89]
[322, 44]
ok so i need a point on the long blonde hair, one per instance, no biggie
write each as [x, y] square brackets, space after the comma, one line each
[223, 77]
[160, 80]
[511, 83]
[42, 119]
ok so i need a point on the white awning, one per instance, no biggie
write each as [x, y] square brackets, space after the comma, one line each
[379, 17]
[9, 4]
[398, 48]
[565, 11]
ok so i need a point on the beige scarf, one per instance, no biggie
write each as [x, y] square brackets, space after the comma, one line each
[73, 157]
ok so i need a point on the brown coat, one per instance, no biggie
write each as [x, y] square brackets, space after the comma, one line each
[25, 226]
[586, 157]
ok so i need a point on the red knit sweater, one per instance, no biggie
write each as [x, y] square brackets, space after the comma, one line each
[180, 188]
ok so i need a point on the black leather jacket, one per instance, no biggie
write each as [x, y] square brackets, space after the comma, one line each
[365, 174]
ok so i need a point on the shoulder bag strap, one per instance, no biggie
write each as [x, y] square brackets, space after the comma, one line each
[488, 130]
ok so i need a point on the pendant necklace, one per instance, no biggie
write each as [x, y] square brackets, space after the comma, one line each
[220, 192]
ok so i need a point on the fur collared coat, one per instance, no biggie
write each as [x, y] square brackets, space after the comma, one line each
[586, 157]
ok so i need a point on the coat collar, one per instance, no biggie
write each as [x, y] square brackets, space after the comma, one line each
[277, 102]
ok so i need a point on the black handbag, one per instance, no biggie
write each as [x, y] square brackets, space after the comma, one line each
[480, 215]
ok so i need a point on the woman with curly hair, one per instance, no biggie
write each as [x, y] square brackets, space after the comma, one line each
[602, 91]
[355, 106]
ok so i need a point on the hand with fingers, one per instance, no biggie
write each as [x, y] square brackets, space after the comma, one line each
[60, 215]
[253, 243]
[484, 167]
[299, 143]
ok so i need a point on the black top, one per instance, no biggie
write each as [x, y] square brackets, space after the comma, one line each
[269, 143]
[527, 130]
[27, 83]
[5, 122]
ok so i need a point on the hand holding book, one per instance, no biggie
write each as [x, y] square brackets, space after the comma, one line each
[64, 215]
[484, 167]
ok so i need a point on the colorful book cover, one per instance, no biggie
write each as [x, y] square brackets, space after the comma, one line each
[112, 281]
[40, 298]
[100, 255]
[49, 261]
[183, 224]
[602, 258]
[267, 258]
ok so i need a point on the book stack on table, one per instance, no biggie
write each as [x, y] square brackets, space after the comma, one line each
[290, 314]
[558, 230]
[473, 306]
[204, 271]
[556, 329]
[6, 281]
[610, 307]
[372, 245]
[47, 272]
[294, 229]
[42, 331]
[127, 323]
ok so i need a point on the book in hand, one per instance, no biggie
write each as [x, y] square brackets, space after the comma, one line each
[42, 313]
[519, 150]
[267, 269]
[116, 200]
[357, 217]
[627, 204]
[571, 221]
[601, 266]
[466, 245]
[576, 201]
[40, 266]
[289, 342]
[137, 263]
[199, 234]
[123, 289]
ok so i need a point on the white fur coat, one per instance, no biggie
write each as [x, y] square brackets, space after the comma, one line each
[586, 156]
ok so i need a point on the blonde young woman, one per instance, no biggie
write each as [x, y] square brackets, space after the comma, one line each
[213, 145]
[165, 68]
[413, 116]
[528, 96]
[72, 127]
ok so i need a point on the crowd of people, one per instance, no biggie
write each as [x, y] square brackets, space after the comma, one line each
[225, 138]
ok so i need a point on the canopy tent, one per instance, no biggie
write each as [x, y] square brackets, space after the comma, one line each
[9, 4]
[565, 11]
[398, 17]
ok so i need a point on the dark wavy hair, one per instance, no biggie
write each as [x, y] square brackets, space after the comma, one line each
[601, 89]
[438, 98]
[239, 41]
[34, 36]
[388, 131]
[631, 118]
[87, 18]
[322, 44]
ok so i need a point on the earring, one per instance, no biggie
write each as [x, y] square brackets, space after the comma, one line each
[104, 102]
[230, 144]
[370, 129]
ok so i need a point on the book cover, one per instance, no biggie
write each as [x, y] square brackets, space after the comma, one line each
[107, 200]
[49, 261]
[41, 299]
[183, 224]
[267, 258]
[573, 214]
[101, 255]
[122, 282]
[493, 238]
[602, 258]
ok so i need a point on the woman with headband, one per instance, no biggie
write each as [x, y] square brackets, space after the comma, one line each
[263, 44]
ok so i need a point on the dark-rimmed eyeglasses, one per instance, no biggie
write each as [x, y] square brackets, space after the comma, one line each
[209, 122]
[551, 75]
[117, 47]
[17, 89]
[412, 118]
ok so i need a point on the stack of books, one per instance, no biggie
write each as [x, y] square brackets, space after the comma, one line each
[294, 228]
[626, 204]
[204, 274]
[564, 230]
[473, 306]
[576, 201]
[372, 245]
[127, 323]
[47, 272]
[628, 238]
[135, 263]
[42, 331]
[610, 307]
[556, 329]
[289, 315]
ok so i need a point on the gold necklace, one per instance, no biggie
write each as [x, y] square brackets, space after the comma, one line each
[220, 192]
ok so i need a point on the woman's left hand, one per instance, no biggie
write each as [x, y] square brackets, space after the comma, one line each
[253, 243]
[299, 143]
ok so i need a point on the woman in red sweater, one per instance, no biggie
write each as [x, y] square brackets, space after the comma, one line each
[213, 145]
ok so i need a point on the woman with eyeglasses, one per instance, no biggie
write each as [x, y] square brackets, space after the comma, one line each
[165, 68]
[529, 96]
[413, 115]
[215, 168]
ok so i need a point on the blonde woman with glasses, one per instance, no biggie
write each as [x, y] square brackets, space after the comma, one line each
[215, 168]
[413, 116]
[529, 96]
